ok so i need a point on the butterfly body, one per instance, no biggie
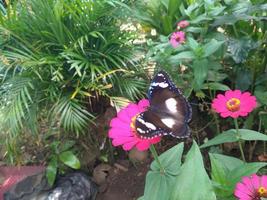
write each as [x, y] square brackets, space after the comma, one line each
[169, 111]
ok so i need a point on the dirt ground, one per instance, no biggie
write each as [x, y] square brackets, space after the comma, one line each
[124, 183]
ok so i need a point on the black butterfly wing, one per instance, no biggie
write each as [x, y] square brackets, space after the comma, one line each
[169, 111]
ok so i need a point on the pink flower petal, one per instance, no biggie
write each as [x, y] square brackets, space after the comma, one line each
[144, 145]
[264, 181]
[122, 140]
[123, 116]
[132, 110]
[128, 146]
[116, 132]
[143, 104]
[121, 132]
[225, 114]
[255, 180]
[234, 114]
[233, 94]
[117, 123]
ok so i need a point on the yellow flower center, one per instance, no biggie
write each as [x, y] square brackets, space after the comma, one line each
[233, 104]
[133, 122]
[262, 191]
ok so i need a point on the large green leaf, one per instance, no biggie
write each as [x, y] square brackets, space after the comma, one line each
[228, 162]
[247, 134]
[232, 136]
[193, 181]
[239, 48]
[158, 186]
[170, 160]
[69, 159]
[227, 171]
[226, 136]
[212, 47]
[51, 170]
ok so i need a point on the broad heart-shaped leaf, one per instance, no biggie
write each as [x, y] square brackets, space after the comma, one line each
[170, 160]
[226, 136]
[232, 136]
[227, 171]
[51, 171]
[212, 47]
[228, 162]
[193, 183]
[158, 186]
[69, 159]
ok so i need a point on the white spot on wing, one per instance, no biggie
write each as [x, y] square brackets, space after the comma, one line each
[171, 104]
[161, 84]
[168, 122]
[147, 124]
[140, 130]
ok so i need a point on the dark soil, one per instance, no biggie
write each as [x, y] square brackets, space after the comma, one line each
[127, 184]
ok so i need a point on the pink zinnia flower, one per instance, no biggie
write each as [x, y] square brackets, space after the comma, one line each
[234, 104]
[123, 132]
[182, 24]
[177, 38]
[251, 188]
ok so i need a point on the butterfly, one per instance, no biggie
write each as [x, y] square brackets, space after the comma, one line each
[169, 112]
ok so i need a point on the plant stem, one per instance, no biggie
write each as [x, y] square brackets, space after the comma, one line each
[239, 140]
[156, 157]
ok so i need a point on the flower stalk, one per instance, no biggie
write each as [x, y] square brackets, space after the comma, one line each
[239, 140]
[156, 157]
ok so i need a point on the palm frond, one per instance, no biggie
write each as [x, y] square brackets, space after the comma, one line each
[16, 99]
[71, 114]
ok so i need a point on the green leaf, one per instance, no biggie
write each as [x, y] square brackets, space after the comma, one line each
[158, 186]
[232, 136]
[51, 171]
[239, 48]
[226, 136]
[227, 171]
[189, 55]
[212, 47]
[247, 134]
[245, 170]
[193, 181]
[229, 162]
[69, 159]
[200, 68]
[173, 7]
[261, 97]
[216, 86]
[170, 160]
[192, 43]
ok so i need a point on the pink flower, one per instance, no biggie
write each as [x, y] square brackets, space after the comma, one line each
[122, 130]
[182, 24]
[177, 38]
[251, 188]
[234, 104]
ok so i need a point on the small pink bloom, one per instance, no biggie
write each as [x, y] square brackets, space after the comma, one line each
[177, 38]
[234, 104]
[251, 188]
[122, 131]
[182, 24]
